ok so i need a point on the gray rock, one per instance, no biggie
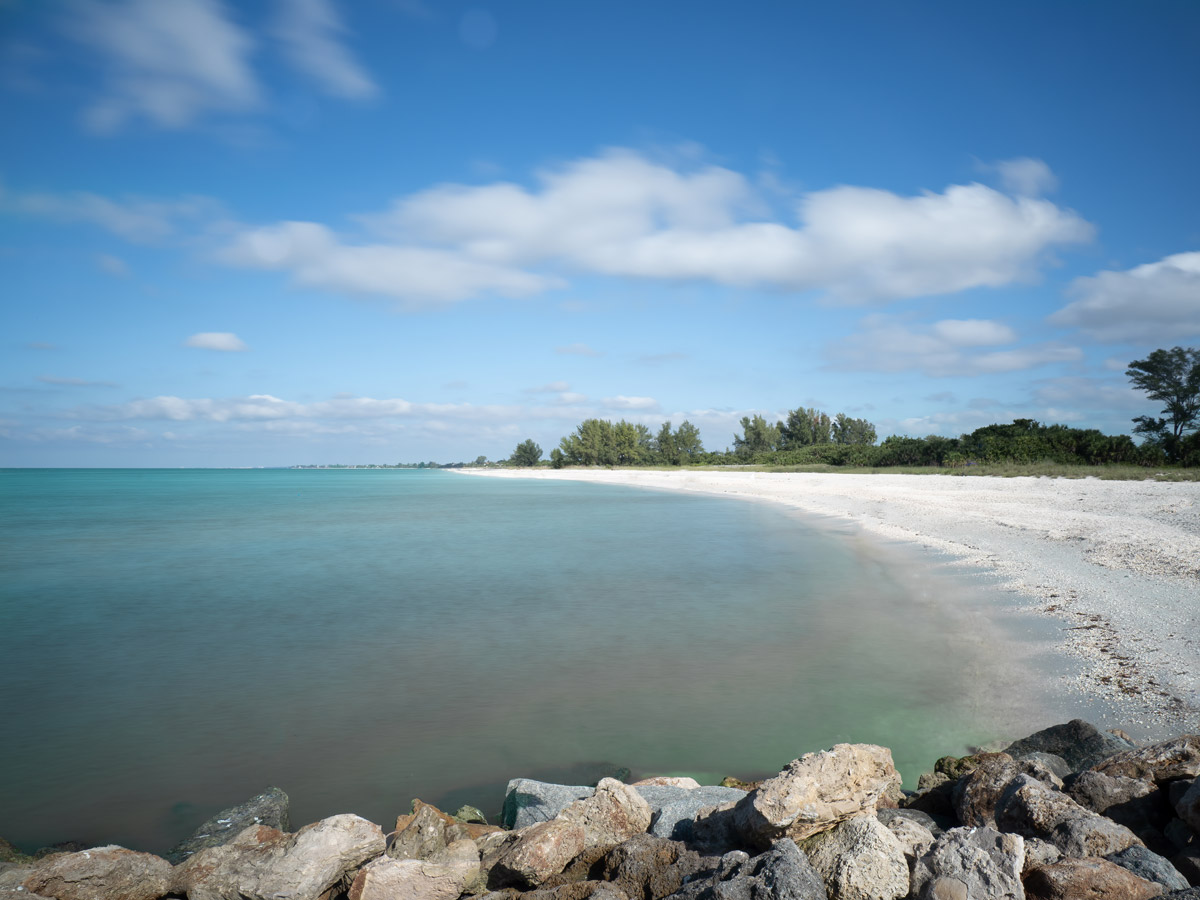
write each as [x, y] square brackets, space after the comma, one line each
[1033, 809]
[1039, 853]
[1161, 762]
[269, 808]
[101, 873]
[672, 808]
[969, 863]
[1177, 834]
[859, 859]
[1078, 742]
[1192, 893]
[651, 868]
[924, 819]
[471, 815]
[915, 839]
[1188, 806]
[424, 836]
[1149, 865]
[1052, 762]
[1187, 861]
[1138, 805]
[782, 873]
[442, 878]
[262, 863]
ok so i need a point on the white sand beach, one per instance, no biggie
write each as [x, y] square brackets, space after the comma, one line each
[1115, 563]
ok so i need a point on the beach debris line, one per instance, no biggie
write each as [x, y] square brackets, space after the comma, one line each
[1068, 812]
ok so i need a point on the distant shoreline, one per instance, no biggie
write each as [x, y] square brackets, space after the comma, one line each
[1115, 564]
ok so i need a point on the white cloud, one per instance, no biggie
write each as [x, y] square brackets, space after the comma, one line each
[1089, 393]
[1026, 177]
[946, 348]
[73, 382]
[310, 31]
[622, 402]
[554, 387]
[316, 258]
[1155, 303]
[623, 215]
[166, 62]
[225, 341]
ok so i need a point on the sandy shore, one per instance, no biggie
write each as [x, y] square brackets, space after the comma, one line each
[1117, 563]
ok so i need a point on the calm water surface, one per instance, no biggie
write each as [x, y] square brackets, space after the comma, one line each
[174, 641]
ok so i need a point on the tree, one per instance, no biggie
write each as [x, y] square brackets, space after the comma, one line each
[803, 428]
[527, 454]
[1172, 377]
[687, 443]
[757, 437]
[852, 431]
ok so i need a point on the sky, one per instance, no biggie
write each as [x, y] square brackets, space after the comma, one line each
[311, 232]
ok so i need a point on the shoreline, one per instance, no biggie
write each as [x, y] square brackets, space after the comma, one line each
[1115, 564]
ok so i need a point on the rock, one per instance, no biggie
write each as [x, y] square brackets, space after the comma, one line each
[470, 815]
[12, 876]
[1150, 866]
[452, 824]
[859, 859]
[814, 793]
[674, 810]
[1161, 762]
[1033, 809]
[269, 808]
[62, 847]
[684, 782]
[442, 878]
[527, 802]
[1188, 806]
[1039, 853]
[101, 873]
[10, 854]
[914, 837]
[935, 797]
[261, 862]
[539, 851]
[650, 868]
[1083, 879]
[887, 816]
[1079, 743]
[1187, 861]
[969, 863]
[1138, 805]
[1051, 762]
[614, 813]
[581, 890]
[422, 836]
[1178, 835]
[976, 794]
[781, 873]
[1192, 893]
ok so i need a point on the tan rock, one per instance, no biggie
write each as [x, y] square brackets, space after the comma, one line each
[540, 851]
[1085, 879]
[859, 859]
[264, 864]
[614, 813]
[815, 792]
[1164, 761]
[474, 830]
[102, 873]
[1033, 809]
[414, 879]
[679, 781]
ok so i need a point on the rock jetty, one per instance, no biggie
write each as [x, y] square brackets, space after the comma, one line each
[1069, 812]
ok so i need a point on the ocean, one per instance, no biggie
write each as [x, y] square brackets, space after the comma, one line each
[174, 641]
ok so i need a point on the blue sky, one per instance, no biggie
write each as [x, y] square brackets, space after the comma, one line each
[310, 231]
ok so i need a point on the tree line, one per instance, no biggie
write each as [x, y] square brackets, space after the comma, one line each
[807, 436]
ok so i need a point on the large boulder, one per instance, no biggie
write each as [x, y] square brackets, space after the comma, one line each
[1149, 865]
[1138, 805]
[674, 809]
[102, 873]
[262, 863]
[814, 793]
[781, 873]
[1078, 742]
[971, 862]
[1188, 806]
[915, 839]
[527, 802]
[539, 851]
[859, 859]
[614, 813]
[650, 868]
[444, 876]
[269, 808]
[1085, 879]
[1033, 809]
[1161, 762]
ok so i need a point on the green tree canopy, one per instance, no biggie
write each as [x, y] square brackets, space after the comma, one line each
[527, 454]
[1172, 377]
[758, 436]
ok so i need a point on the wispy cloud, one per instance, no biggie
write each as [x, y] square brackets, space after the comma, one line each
[1157, 302]
[577, 350]
[73, 382]
[310, 31]
[622, 402]
[137, 219]
[168, 63]
[113, 265]
[554, 387]
[951, 347]
[225, 341]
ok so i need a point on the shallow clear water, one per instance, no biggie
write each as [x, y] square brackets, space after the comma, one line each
[172, 641]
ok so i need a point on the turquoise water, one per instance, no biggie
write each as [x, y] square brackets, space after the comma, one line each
[173, 641]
